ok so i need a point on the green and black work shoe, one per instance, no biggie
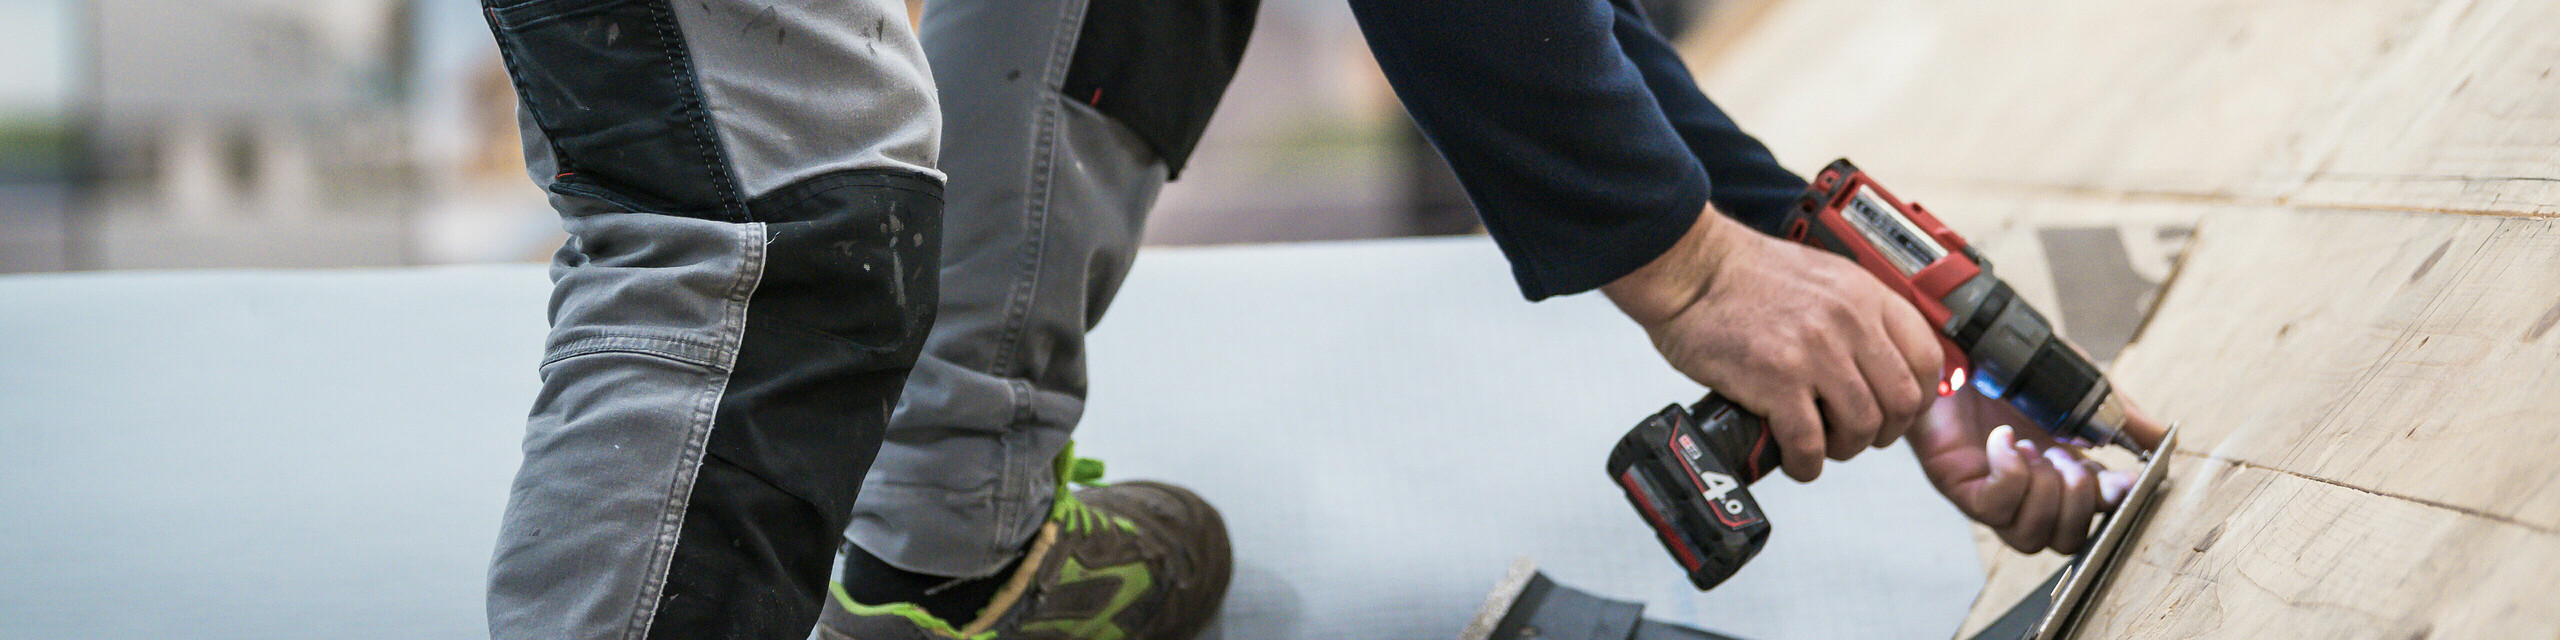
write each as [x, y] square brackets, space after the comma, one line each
[1135, 560]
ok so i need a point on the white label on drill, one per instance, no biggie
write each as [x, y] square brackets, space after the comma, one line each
[1892, 234]
[1720, 489]
[1717, 487]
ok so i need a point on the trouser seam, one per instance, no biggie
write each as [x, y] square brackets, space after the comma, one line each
[1026, 283]
[733, 324]
[1009, 513]
[698, 116]
[694, 352]
[1044, 145]
[1037, 200]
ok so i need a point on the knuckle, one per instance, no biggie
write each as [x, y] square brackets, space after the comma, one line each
[2019, 542]
[1775, 359]
[1808, 444]
[1839, 311]
[1792, 359]
[1805, 440]
[1899, 413]
[1847, 445]
[1905, 398]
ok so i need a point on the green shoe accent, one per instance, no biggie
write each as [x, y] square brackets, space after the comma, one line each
[908, 610]
[1146, 561]
[1133, 581]
[1070, 512]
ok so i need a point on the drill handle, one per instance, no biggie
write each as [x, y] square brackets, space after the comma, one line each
[1738, 437]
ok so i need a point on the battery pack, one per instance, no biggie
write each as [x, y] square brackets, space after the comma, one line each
[1688, 471]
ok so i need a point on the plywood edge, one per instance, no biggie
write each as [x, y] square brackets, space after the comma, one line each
[2248, 552]
[2352, 347]
[2243, 551]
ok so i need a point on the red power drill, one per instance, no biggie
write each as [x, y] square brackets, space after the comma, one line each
[1688, 470]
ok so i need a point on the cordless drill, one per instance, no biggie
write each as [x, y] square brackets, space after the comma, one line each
[1688, 470]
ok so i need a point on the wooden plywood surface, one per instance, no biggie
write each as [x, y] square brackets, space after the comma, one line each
[2426, 105]
[2408, 355]
[2361, 339]
[2463, 116]
[2182, 96]
[2368, 402]
[2246, 552]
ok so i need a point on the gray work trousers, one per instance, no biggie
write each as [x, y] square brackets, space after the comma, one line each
[1046, 204]
[756, 214]
[752, 202]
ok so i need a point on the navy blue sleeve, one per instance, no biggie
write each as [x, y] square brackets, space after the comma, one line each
[1748, 184]
[1577, 173]
[1578, 134]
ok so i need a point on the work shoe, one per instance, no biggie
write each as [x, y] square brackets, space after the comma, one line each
[1135, 560]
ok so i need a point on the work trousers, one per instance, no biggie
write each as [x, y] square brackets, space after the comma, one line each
[1066, 118]
[757, 233]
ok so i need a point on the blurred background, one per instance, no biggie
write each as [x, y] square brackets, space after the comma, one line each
[320, 133]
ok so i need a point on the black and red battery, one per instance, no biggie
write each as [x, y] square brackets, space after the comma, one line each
[1687, 470]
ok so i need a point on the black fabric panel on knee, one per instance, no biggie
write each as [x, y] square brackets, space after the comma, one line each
[611, 84]
[740, 565]
[835, 324]
[1159, 67]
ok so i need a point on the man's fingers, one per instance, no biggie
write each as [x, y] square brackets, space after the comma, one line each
[2034, 526]
[1996, 499]
[1899, 398]
[2112, 485]
[2079, 499]
[1849, 414]
[1918, 341]
[1797, 428]
[1849, 417]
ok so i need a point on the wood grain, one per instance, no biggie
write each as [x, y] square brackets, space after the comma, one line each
[2244, 552]
[2396, 353]
[2247, 552]
[2462, 116]
[2419, 105]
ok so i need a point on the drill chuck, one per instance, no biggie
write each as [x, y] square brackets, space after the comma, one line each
[2018, 359]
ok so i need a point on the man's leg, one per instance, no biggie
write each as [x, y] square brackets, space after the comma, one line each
[1062, 124]
[1068, 116]
[754, 214]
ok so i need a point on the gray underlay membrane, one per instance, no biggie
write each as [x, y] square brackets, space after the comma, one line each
[1386, 425]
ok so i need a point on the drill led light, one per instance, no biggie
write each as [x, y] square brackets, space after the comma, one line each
[1953, 382]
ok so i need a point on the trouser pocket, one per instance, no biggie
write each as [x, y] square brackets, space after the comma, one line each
[611, 85]
[1159, 66]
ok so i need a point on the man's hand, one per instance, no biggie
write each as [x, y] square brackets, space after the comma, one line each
[1803, 337]
[2037, 494]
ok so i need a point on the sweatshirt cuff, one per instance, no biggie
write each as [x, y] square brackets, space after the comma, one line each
[1611, 255]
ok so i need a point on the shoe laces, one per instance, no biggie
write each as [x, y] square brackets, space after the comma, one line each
[1071, 513]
